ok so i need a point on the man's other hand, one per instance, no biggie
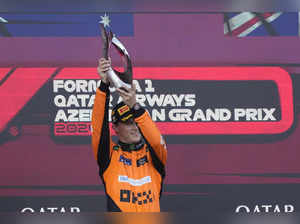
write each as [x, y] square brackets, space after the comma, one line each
[128, 95]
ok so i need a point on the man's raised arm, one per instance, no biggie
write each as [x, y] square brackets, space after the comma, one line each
[101, 140]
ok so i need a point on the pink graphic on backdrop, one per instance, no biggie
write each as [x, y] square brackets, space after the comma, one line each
[3, 72]
[18, 89]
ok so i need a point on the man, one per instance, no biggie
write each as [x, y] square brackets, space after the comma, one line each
[132, 169]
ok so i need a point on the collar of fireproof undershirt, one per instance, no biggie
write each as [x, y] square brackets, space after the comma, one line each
[131, 147]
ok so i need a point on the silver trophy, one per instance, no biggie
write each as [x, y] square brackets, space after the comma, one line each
[118, 79]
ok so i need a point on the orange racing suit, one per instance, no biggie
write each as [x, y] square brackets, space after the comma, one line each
[132, 173]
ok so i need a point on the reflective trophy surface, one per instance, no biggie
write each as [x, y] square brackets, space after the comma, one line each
[116, 78]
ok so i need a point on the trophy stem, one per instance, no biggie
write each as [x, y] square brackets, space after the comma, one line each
[115, 80]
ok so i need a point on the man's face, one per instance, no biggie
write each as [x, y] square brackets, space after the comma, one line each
[127, 132]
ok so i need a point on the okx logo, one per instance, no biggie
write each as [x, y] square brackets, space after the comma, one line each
[136, 197]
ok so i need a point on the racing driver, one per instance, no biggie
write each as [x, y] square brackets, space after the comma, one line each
[132, 169]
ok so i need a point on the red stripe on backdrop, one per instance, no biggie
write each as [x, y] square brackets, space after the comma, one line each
[276, 74]
[3, 72]
[18, 89]
[78, 73]
[218, 128]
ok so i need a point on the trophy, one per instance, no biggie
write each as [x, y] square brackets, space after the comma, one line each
[118, 79]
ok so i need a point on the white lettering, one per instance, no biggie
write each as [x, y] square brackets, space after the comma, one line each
[60, 101]
[180, 115]
[269, 114]
[42, 210]
[52, 210]
[62, 210]
[60, 116]
[72, 101]
[178, 99]
[238, 112]
[73, 115]
[155, 99]
[75, 209]
[85, 115]
[57, 84]
[161, 115]
[83, 98]
[27, 209]
[251, 114]
[237, 210]
[266, 207]
[169, 101]
[91, 102]
[277, 209]
[289, 208]
[199, 115]
[70, 86]
[149, 88]
[212, 114]
[77, 86]
[82, 86]
[256, 209]
[225, 114]
[190, 100]
[137, 86]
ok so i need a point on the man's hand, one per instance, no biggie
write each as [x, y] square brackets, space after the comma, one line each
[102, 68]
[128, 95]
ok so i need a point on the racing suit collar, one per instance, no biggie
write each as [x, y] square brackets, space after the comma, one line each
[131, 147]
